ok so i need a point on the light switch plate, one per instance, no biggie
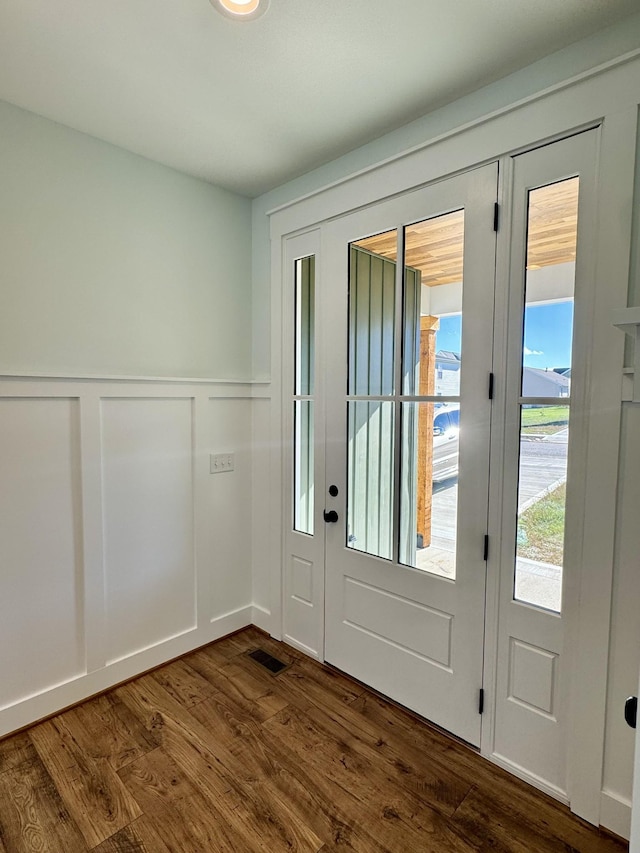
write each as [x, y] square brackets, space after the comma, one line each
[221, 462]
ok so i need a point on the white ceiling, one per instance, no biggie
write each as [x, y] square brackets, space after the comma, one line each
[249, 105]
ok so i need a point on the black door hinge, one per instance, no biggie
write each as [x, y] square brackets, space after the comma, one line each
[496, 216]
[481, 701]
[485, 556]
[491, 386]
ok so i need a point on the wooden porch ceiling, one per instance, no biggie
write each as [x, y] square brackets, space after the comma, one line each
[435, 246]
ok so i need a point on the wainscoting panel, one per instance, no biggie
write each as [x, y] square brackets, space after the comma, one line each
[148, 522]
[119, 550]
[229, 509]
[41, 585]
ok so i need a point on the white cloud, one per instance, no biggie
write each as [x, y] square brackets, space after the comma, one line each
[528, 351]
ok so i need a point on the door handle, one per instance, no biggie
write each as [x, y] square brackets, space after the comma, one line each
[631, 711]
[330, 517]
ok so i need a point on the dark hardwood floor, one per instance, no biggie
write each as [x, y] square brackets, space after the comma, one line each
[213, 753]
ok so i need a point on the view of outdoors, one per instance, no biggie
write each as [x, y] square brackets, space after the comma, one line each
[303, 461]
[371, 423]
[546, 377]
[429, 430]
[431, 426]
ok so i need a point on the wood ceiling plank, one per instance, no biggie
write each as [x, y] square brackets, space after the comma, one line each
[435, 246]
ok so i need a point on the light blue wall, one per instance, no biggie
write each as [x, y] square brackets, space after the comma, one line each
[112, 264]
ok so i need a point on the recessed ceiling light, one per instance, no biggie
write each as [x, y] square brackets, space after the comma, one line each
[241, 9]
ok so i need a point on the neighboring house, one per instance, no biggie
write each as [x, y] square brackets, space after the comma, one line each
[536, 382]
[544, 383]
[447, 373]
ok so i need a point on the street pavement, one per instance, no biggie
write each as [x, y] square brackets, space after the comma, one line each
[543, 467]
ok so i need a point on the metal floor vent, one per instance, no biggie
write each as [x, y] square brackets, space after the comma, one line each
[268, 661]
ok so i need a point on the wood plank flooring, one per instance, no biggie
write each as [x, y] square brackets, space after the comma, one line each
[213, 753]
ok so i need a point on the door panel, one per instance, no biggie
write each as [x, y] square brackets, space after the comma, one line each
[404, 583]
[303, 570]
[543, 452]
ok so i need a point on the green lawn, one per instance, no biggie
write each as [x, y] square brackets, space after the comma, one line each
[541, 528]
[544, 420]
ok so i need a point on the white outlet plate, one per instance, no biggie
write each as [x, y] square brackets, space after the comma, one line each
[221, 462]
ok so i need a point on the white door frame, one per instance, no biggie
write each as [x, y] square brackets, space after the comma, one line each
[606, 97]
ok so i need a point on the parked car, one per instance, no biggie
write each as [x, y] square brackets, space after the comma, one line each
[446, 430]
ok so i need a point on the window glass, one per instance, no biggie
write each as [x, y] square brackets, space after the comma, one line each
[545, 392]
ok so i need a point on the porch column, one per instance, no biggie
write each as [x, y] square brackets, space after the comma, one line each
[428, 327]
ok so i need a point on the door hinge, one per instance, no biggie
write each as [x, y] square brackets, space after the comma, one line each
[491, 386]
[481, 701]
[496, 216]
[485, 556]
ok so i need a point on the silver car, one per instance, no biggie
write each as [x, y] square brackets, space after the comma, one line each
[446, 430]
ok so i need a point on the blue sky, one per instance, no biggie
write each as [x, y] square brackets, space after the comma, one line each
[547, 334]
[448, 335]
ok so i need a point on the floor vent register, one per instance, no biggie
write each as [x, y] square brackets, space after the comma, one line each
[268, 661]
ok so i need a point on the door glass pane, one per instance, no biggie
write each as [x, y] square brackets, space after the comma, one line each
[542, 486]
[432, 359]
[429, 497]
[549, 289]
[303, 458]
[546, 378]
[370, 477]
[432, 334]
[303, 467]
[372, 277]
[305, 326]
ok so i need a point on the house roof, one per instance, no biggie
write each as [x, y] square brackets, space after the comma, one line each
[448, 355]
[549, 376]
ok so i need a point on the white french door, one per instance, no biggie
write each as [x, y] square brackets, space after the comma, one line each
[434, 529]
[407, 365]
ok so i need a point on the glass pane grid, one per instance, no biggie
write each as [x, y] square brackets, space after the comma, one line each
[429, 500]
[303, 467]
[431, 371]
[370, 486]
[372, 317]
[303, 408]
[403, 392]
[305, 327]
[545, 389]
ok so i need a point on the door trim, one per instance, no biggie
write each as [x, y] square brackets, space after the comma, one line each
[612, 93]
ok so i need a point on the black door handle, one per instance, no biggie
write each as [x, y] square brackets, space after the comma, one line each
[631, 711]
[330, 517]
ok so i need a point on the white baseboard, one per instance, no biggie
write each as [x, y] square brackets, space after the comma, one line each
[261, 618]
[531, 778]
[51, 701]
[307, 650]
[235, 620]
[615, 813]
